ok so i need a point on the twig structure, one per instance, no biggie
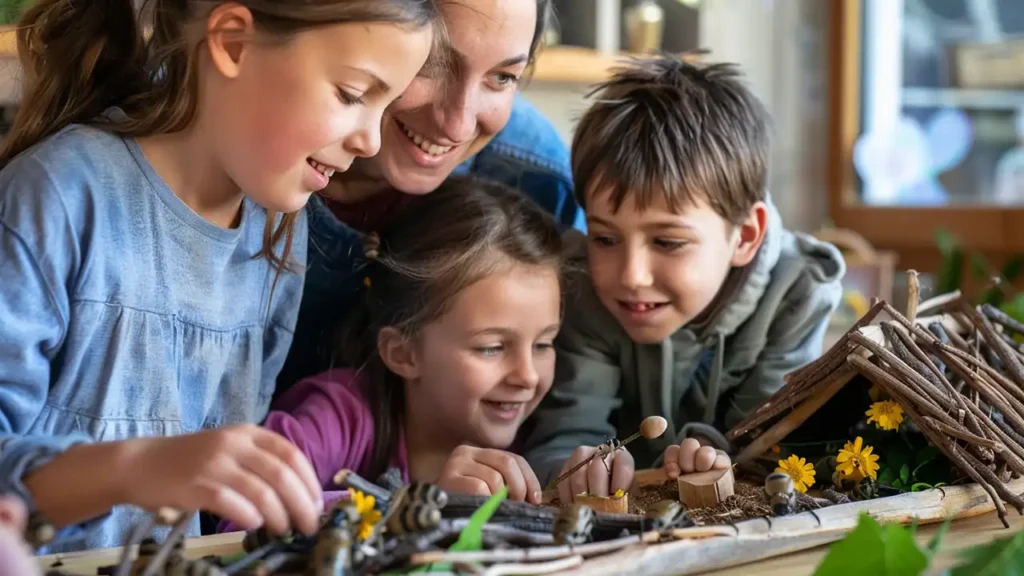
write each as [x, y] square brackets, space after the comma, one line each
[958, 374]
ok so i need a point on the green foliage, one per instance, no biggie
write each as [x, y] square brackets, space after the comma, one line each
[999, 292]
[1003, 557]
[10, 10]
[871, 548]
[909, 463]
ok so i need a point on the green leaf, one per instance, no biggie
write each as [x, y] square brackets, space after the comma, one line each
[888, 550]
[979, 266]
[936, 541]
[885, 477]
[1012, 268]
[897, 483]
[918, 486]
[472, 536]
[905, 474]
[951, 269]
[996, 558]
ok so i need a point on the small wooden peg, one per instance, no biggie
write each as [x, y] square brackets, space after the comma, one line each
[704, 489]
[604, 504]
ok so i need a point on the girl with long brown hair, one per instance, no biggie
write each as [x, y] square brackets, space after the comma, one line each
[452, 348]
[153, 245]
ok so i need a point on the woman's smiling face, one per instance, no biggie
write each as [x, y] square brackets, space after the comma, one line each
[441, 121]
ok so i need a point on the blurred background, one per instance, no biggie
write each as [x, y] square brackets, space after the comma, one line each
[898, 124]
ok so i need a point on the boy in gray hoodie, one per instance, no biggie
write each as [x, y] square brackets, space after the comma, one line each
[691, 300]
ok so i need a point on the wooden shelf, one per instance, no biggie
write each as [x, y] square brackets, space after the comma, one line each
[575, 65]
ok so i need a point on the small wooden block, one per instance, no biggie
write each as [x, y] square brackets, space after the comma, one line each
[705, 489]
[605, 505]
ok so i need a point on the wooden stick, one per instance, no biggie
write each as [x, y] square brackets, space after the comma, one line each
[156, 563]
[523, 554]
[956, 433]
[794, 419]
[1002, 318]
[913, 294]
[536, 567]
[1008, 356]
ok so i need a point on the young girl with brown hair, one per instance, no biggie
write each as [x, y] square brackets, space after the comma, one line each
[453, 351]
[152, 245]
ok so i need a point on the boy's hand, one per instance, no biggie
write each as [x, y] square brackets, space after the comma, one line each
[689, 457]
[484, 471]
[594, 478]
[245, 474]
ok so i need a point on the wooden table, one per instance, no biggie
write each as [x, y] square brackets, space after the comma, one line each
[963, 533]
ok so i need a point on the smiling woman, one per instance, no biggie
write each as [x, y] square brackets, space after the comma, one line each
[468, 120]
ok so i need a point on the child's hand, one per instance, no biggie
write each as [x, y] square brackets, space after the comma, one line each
[594, 478]
[15, 555]
[245, 474]
[484, 471]
[689, 457]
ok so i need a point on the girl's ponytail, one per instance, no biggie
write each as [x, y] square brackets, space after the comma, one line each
[79, 57]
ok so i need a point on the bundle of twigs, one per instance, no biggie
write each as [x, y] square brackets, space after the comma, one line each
[958, 375]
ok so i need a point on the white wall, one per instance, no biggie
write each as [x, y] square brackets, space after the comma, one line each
[781, 46]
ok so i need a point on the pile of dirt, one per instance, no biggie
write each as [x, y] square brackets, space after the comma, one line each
[749, 501]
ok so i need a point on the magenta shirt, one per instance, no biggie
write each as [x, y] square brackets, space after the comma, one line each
[327, 417]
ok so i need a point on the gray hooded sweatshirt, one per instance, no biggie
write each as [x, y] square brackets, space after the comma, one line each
[768, 319]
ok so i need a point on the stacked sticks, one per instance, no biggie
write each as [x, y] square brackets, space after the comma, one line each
[958, 375]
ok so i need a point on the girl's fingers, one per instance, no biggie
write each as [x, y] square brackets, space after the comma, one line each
[253, 488]
[671, 459]
[466, 485]
[622, 471]
[687, 454]
[505, 464]
[722, 460]
[704, 459]
[287, 490]
[294, 459]
[486, 474]
[533, 489]
[218, 499]
[577, 483]
[598, 476]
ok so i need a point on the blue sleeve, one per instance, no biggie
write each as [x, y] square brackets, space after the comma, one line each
[39, 251]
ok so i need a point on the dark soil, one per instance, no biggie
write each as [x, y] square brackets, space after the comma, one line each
[749, 501]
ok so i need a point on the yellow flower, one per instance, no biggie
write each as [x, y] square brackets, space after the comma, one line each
[855, 461]
[799, 470]
[368, 514]
[887, 415]
[619, 493]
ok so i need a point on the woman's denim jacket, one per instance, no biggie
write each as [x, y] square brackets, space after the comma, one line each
[528, 154]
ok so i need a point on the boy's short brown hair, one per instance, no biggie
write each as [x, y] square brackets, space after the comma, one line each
[681, 129]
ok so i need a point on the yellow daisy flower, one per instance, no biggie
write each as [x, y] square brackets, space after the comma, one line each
[799, 470]
[619, 493]
[887, 415]
[855, 461]
[368, 514]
